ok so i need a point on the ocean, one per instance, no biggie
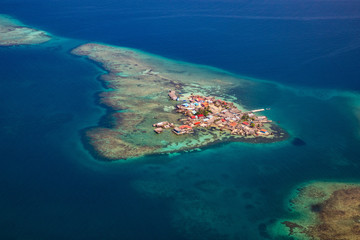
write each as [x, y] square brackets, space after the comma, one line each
[302, 55]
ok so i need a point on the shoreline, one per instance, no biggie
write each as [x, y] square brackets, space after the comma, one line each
[88, 147]
[279, 133]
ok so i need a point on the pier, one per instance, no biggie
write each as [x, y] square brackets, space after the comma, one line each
[258, 110]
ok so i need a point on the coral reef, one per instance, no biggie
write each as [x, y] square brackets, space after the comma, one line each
[13, 33]
[326, 211]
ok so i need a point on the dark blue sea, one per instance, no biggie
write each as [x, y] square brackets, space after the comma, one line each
[304, 56]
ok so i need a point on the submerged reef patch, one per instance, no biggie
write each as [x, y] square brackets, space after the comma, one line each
[325, 210]
[199, 209]
[298, 142]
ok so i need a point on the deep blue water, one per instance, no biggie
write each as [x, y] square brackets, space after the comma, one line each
[50, 187]
[314, 43]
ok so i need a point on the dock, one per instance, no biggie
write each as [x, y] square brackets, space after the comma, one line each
[257, 110]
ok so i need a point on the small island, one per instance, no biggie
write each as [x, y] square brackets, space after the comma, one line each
[13, 32]
[188, 104]
[209, 112]
[325, 210]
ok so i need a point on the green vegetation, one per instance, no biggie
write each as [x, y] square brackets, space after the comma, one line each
[204, 111]
[245, 117]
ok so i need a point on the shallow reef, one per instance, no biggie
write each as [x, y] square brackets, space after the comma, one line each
[325, 210]
[13, 32]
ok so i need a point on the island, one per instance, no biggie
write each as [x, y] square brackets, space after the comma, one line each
[324, 210]
[209, 112]
[13, 32]
[188, 104]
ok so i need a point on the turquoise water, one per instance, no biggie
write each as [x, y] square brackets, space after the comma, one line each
[51, 187]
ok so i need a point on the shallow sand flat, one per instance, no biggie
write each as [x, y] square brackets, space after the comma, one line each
[13, 32]
[324, 210]
[139, 84]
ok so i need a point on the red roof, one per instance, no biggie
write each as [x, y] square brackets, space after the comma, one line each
[233, 124]
[184, 126]
[200, 115]
[263, 130]
[245, 123]
[223, 120]
[196, 123]
[193, 117]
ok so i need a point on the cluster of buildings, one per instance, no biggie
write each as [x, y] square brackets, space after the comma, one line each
[162, 125]
[200, 111]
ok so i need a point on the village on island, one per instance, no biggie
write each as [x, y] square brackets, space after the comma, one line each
[209, 112]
